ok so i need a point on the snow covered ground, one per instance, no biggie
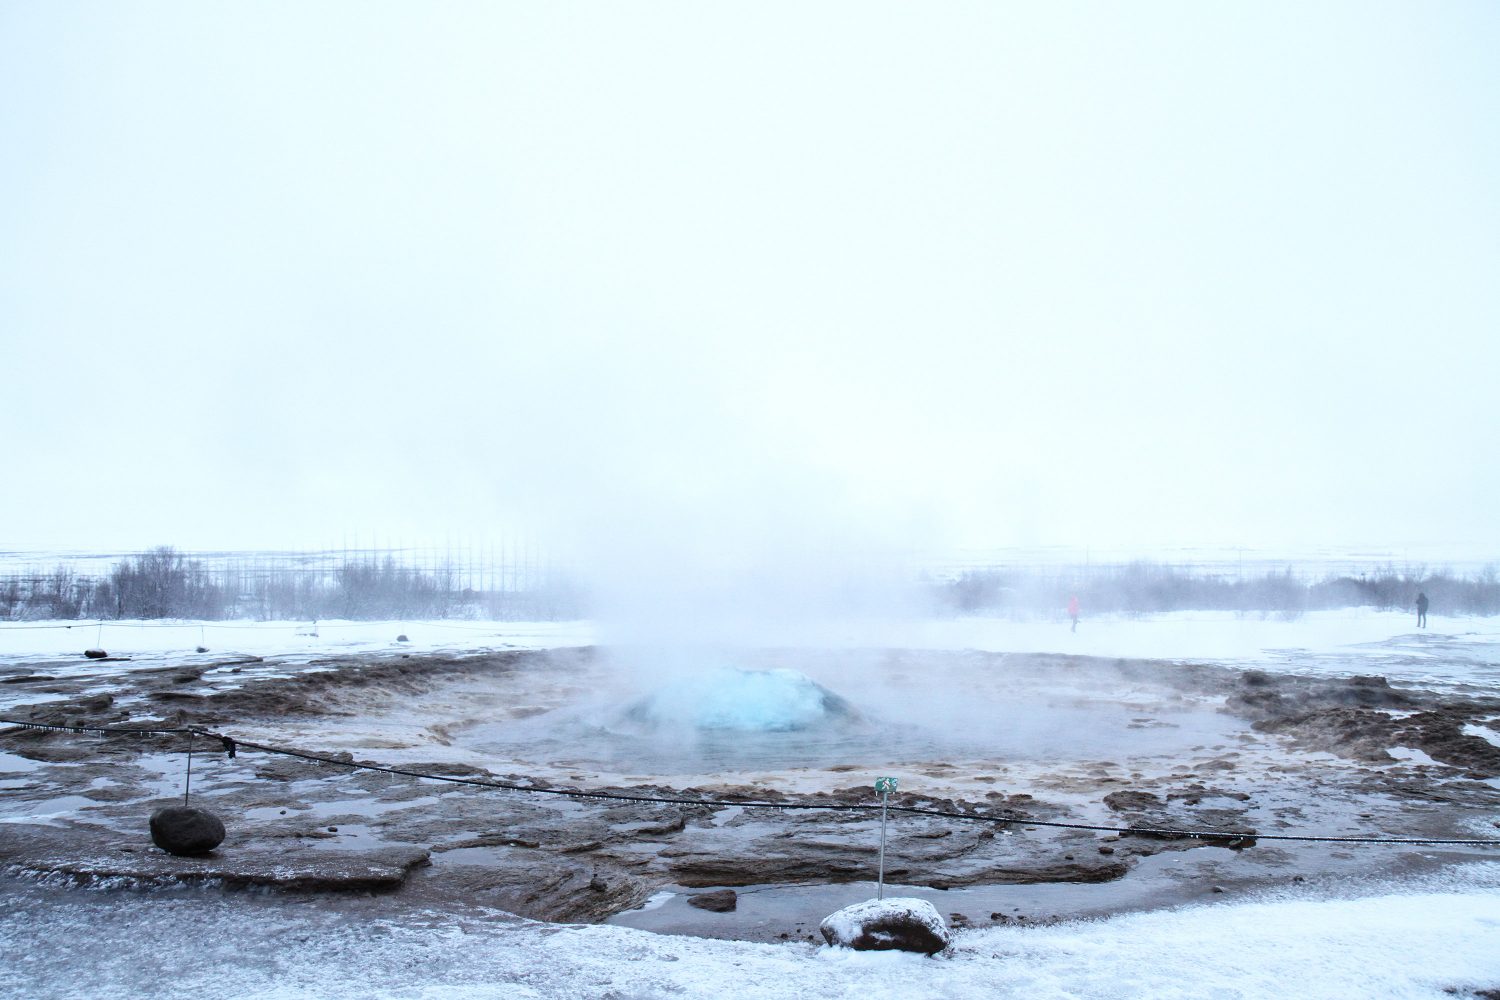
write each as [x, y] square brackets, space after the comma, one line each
[1452, 651]
[1428, 939]
[137, 639]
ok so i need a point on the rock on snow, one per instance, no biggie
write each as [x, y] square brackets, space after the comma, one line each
[900, 923]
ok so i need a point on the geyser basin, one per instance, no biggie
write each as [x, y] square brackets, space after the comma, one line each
[750, 701]
[847, 710]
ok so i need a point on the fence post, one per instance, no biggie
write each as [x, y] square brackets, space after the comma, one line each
[885, 786]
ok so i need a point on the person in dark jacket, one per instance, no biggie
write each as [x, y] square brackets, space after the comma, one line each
[1421, 610]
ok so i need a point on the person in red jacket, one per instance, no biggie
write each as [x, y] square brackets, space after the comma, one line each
[1073, 611]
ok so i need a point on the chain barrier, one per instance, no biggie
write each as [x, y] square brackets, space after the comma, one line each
[1228, 838]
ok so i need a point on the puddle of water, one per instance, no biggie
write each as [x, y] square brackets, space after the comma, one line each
[49, 810]
[479, 856]
[351, 837]
[260, 813]
[1484, 733]
[14, 763]
[366, 808]
[1414, 756]
[766, 912]
[1161, 881]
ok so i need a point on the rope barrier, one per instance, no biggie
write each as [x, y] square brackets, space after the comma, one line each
[1230, 838]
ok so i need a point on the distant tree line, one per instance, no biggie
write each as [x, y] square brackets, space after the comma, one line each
[1144, 587]
[164, 583]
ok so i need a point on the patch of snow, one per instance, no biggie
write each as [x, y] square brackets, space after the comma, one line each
[1403, 944]
[1343, 642]
[1484, 733]
[226, 639]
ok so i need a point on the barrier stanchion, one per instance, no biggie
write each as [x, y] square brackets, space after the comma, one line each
[885, 786]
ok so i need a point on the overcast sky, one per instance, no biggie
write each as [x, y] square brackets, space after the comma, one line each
[911, 274]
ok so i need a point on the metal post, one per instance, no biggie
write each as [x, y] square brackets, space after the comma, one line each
[187, 782]
[885, 786]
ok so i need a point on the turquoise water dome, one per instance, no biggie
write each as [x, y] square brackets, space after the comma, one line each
[729, 699]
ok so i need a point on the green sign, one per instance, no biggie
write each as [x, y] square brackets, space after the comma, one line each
[885, 784]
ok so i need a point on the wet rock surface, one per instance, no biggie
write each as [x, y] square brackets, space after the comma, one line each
[94, 858]
[1312, 755]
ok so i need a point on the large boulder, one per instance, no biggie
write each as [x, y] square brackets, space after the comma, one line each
[899, 923]
[185, 830]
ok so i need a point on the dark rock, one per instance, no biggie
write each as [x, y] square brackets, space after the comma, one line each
[488, 840]
[1131, 801]
[201, 649]
[186, 831]
[582, 847]
[95, 654]
[546, 888]
[723, 901]
[402, 638]
[898, 924]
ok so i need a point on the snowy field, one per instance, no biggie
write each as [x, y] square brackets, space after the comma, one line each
[1433, 936]
[288, 640]
[1420, 940]
[1460, 651]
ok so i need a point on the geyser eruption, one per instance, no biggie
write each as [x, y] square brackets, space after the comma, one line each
[730, 699]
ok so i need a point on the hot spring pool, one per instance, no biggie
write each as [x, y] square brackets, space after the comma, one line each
[738, 719]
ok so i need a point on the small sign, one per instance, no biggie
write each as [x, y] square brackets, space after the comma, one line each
[885, 784]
